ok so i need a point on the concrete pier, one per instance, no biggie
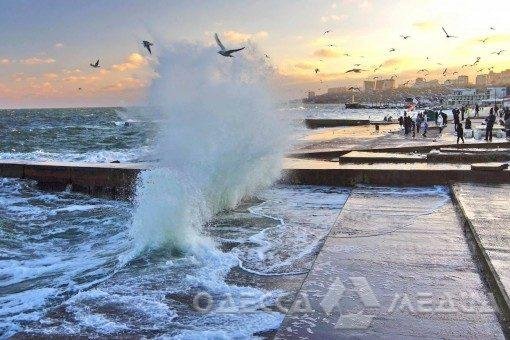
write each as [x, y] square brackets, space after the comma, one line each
[315, 172]
[395, 265]
[98, 179]
[486, 211]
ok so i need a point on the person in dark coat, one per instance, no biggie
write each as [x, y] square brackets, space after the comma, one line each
[477, 110]
[460, 133]
[490, 120]
[468, 123]
[462, 112]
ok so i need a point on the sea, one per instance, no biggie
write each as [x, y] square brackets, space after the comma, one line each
[209, 244]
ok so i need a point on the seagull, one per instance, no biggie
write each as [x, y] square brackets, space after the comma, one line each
[477, 61]
[465, 65]
[498, 52]
[492, 28]
[353, 88]
[378, 67]
[79, 88]
[423, 70]
[480, 70]
[347, 55]
[316, 70]
[454, 73]
[407, 82]
[326, 32]
[405, 37]
[96, 64]
[147, 45]
[392, 49]
[445, 71]
[223, 51]
[355, 70]
[483, 41]
[394, 76]
[267, 56]
[356, 65]
[331, 45]
[376, 78]
[447, 35]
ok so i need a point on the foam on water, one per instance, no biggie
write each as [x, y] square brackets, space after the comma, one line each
[222, 139]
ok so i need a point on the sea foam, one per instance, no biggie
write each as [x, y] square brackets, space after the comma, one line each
[221, 140]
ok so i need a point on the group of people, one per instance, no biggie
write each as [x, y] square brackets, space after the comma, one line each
[461, 121]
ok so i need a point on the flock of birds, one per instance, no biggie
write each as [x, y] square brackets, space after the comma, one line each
[223, 50]
[357, 67]
[424, 72]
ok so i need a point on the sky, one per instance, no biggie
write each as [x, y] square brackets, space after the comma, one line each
[46, 46]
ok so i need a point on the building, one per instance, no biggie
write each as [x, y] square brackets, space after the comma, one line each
[499, 79]
[496, 92]
[337, 90]
[481, 80]
[462, 81]
[385, 84]
[369, 85]
[463, 96]
[421, 83]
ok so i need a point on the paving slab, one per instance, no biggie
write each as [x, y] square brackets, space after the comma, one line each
[487, 210]
[395, 265]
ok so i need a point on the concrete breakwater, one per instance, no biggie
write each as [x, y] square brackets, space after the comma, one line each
[101, 179]
[119, 180]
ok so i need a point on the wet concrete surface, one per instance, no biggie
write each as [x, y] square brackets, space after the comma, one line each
[395, 265]
[488, 212]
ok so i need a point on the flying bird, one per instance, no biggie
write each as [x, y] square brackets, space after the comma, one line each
[394, 76]
[405, 37]
[347, 55]
[498, 52]
[376, 78]
[448, 35]
[454, 73]
[326, 32]
[477, 61]
[267, 57]
[483, 41]
[423, 70]
[96, 64]
[79, 88]
[378, 67]
[316, 70]
[355, 70]
[465, 65]
[480, 70]
[392, 49]
[407, 82]
[492, 28]
[356, 65]
[331, 45]
[223, 51]
[147, 45]
[445, 71]
[353, 88]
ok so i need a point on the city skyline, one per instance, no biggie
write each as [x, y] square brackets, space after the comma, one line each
[48, 45]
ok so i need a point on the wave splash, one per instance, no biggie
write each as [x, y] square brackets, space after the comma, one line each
[220, 141]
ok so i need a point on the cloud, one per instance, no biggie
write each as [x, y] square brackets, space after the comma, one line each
[426, 25]
[37, 61]
[59, 45]
[304, 65]
[134, 61]
[50, 75]
[334, 17]
[5, 61]
[239, 37]
[326, 53]
[391, 62]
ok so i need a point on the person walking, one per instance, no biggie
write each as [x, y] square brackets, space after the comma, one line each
[477, 110]
[460, 133]
[490, 120]
[462, 112]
